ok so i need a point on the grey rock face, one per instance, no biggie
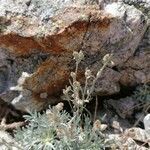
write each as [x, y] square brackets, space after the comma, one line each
[11, 68]
[143, 5]
[3, 78]
[39, 37]
[7, 142]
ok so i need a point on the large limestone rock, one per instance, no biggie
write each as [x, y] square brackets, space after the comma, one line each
[39, 37]
[137, 69]
[7, 142]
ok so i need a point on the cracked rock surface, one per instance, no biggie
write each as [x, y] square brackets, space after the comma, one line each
[39, 37]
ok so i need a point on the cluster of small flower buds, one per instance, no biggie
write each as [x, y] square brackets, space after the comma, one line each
[76, 93]
[78, 56]
[107, 58]
[67, 90]
[73, 75]
[59, 106]
[88, 73]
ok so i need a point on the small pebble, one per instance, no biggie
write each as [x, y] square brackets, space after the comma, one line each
[43, 95]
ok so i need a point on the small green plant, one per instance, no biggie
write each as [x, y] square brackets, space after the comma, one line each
[142, 94]
[58, 130]
[79, 94]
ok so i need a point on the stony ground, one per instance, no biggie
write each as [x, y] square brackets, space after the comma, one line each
[37, 39]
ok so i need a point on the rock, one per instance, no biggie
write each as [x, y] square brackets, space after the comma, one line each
[136, 134]
[147, 127]
[131, 144]
[143, 5]
[39, 37]
[111, 82]
[26, 101]
[7, 142]
[121, 142]
[124, 106]
[147, 122]
[3, 78]
[2, 108]
[137, 69]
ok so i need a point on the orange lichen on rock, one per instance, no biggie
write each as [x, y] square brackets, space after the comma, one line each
[65, 32]
[51, 76]
[19, 45]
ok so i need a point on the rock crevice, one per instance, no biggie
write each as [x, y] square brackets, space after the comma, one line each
[40, 37]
